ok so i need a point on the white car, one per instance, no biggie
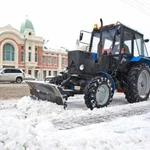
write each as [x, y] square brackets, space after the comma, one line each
[29, 77]
[11, 75]
[48, 78]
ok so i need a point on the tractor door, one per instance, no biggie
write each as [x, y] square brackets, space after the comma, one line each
[122, 49]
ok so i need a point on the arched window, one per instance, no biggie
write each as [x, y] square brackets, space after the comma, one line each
[8, 52]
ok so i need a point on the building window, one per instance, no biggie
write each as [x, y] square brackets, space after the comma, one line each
[36, 57]
[29, 47]
[49, 60]
[55, 73]
[8, 52]
[55, 60]
[43, 60]
[44, 74]
[36, 73]
[29, 58]
[63, 61]
[36, 48]
[22, 47]
[29, 71]
[49, 73]
[22, 56]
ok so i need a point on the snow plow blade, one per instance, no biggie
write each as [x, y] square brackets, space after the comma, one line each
[45, 91]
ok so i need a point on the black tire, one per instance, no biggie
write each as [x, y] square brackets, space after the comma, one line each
[98, 92]
[18, 80]
[138, 84]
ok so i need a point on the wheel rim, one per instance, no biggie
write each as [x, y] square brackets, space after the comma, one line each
[143, 83]
[102, 94]
[19, 80]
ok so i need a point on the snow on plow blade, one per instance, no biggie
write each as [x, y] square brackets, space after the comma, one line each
[45, 91]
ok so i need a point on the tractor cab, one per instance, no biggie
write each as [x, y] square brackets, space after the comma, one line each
[114, 46]
[116, 39]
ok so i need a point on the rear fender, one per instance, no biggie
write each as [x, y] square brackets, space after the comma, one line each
[141, 59]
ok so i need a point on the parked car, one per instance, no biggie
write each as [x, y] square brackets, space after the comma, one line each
[29, 77]
[11, 75]
[48, 78]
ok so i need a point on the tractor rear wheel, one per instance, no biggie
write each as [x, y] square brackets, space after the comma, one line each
[98, 92]
[138, 84]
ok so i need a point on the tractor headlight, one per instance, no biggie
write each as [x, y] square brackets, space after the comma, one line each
[81, 67]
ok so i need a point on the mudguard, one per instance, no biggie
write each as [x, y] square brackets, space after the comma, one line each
[45, 91]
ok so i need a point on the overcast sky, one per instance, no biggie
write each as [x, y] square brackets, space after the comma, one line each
[60, 21]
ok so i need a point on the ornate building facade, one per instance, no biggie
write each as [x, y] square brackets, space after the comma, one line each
[23, 49]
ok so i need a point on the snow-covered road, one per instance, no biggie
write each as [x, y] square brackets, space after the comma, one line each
[76, 115]
[41, 125]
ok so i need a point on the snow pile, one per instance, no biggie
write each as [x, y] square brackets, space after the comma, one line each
[33, 125]
[36, 108]
[77, 117]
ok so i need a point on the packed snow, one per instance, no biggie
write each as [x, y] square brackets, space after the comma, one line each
[27, 124]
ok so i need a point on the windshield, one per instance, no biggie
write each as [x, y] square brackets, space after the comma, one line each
[107, 40]
[140, 47]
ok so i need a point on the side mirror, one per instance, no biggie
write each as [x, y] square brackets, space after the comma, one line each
[85, 37]
[2, 72]
[146, 40]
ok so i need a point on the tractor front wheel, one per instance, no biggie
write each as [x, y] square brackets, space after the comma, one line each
[98, 92]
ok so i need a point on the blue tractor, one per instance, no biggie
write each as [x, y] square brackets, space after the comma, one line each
[114, 59]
